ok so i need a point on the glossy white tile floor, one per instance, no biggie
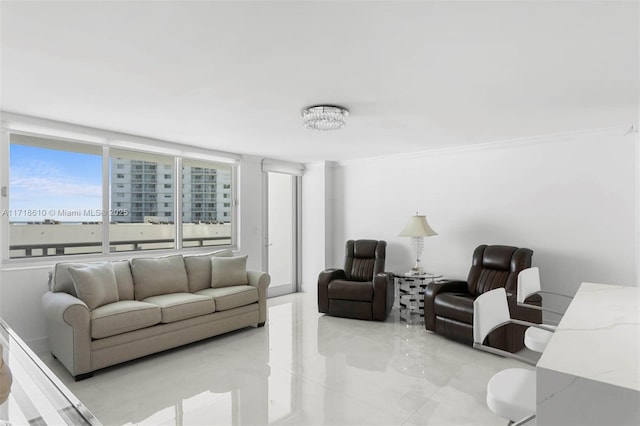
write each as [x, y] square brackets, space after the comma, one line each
[302, 368]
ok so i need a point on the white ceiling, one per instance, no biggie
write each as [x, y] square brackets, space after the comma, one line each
[234, 76]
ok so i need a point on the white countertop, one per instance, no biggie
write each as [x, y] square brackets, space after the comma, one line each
[599, 336]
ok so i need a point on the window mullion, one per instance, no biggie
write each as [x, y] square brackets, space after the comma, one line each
[178, 202]
[4, 194]
[106, 193]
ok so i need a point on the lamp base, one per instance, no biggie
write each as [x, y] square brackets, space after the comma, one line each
[417, 270]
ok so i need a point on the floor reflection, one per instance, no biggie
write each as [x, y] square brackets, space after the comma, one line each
[302, 368]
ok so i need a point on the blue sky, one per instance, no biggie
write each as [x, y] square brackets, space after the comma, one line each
[51, 181]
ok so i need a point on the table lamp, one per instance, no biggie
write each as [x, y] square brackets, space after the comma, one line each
[417, 228]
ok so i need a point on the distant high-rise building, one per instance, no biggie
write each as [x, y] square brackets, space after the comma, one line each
[142, 190]
[145, 190]
[208, 191]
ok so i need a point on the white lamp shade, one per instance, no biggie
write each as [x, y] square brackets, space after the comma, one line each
[417, 226]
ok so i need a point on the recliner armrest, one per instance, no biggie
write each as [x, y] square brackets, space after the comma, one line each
[383, 277]
[324, 279]
[435, 288]
[430, 293]
[329, 275]
[383, 294]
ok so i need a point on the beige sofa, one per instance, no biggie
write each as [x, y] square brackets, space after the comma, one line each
[102, 314]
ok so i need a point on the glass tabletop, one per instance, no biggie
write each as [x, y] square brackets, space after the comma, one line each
[423, 275]
[37, 396]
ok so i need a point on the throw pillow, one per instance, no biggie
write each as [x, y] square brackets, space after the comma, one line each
[228, 271]
[60, 278]
[199, 268]
[95, 285]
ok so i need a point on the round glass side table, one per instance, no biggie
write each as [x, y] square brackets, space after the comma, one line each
[410, 294]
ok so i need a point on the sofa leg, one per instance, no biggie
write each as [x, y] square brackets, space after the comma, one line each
[261, 324]
[82, 376]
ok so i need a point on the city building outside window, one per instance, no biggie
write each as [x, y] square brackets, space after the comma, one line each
[142, 223]
[205, 221]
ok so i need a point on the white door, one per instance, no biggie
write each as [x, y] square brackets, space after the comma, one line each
[282, 232]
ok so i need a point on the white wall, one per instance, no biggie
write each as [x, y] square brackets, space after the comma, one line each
[317, 222]
[570, 198]
[251, 205]
[20, 293]
[637, 144]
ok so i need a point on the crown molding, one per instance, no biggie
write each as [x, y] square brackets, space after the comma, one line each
[321, 163]
[500, 144]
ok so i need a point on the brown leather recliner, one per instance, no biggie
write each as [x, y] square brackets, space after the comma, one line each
[361, 290]
[448, 306]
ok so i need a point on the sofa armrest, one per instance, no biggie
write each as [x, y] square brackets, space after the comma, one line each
[69, 331]
[383, 295]
[261, 280]
[324, 279]
[430, 293]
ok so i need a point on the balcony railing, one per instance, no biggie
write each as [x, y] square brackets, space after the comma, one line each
[58, 249]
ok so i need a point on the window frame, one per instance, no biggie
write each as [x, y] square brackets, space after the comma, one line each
[106, 140]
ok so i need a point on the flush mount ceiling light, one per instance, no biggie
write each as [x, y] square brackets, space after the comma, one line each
[324, 117]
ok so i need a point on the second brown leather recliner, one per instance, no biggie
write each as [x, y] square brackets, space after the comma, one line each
[448, 306]
[362, 289]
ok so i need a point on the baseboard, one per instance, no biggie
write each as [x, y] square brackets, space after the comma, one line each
[278, 291]
[39, 346]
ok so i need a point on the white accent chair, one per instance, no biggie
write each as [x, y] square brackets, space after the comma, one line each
[535, 338]
[511, 393]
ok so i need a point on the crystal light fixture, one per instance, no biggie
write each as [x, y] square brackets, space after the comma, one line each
[324, 117]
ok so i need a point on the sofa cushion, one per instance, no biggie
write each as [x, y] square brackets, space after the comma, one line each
[95, 285]
[199, 269]
[228, 271]
[160, 275]
[179, 306]
[124, 279]
[123, 316]
[231, 297]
